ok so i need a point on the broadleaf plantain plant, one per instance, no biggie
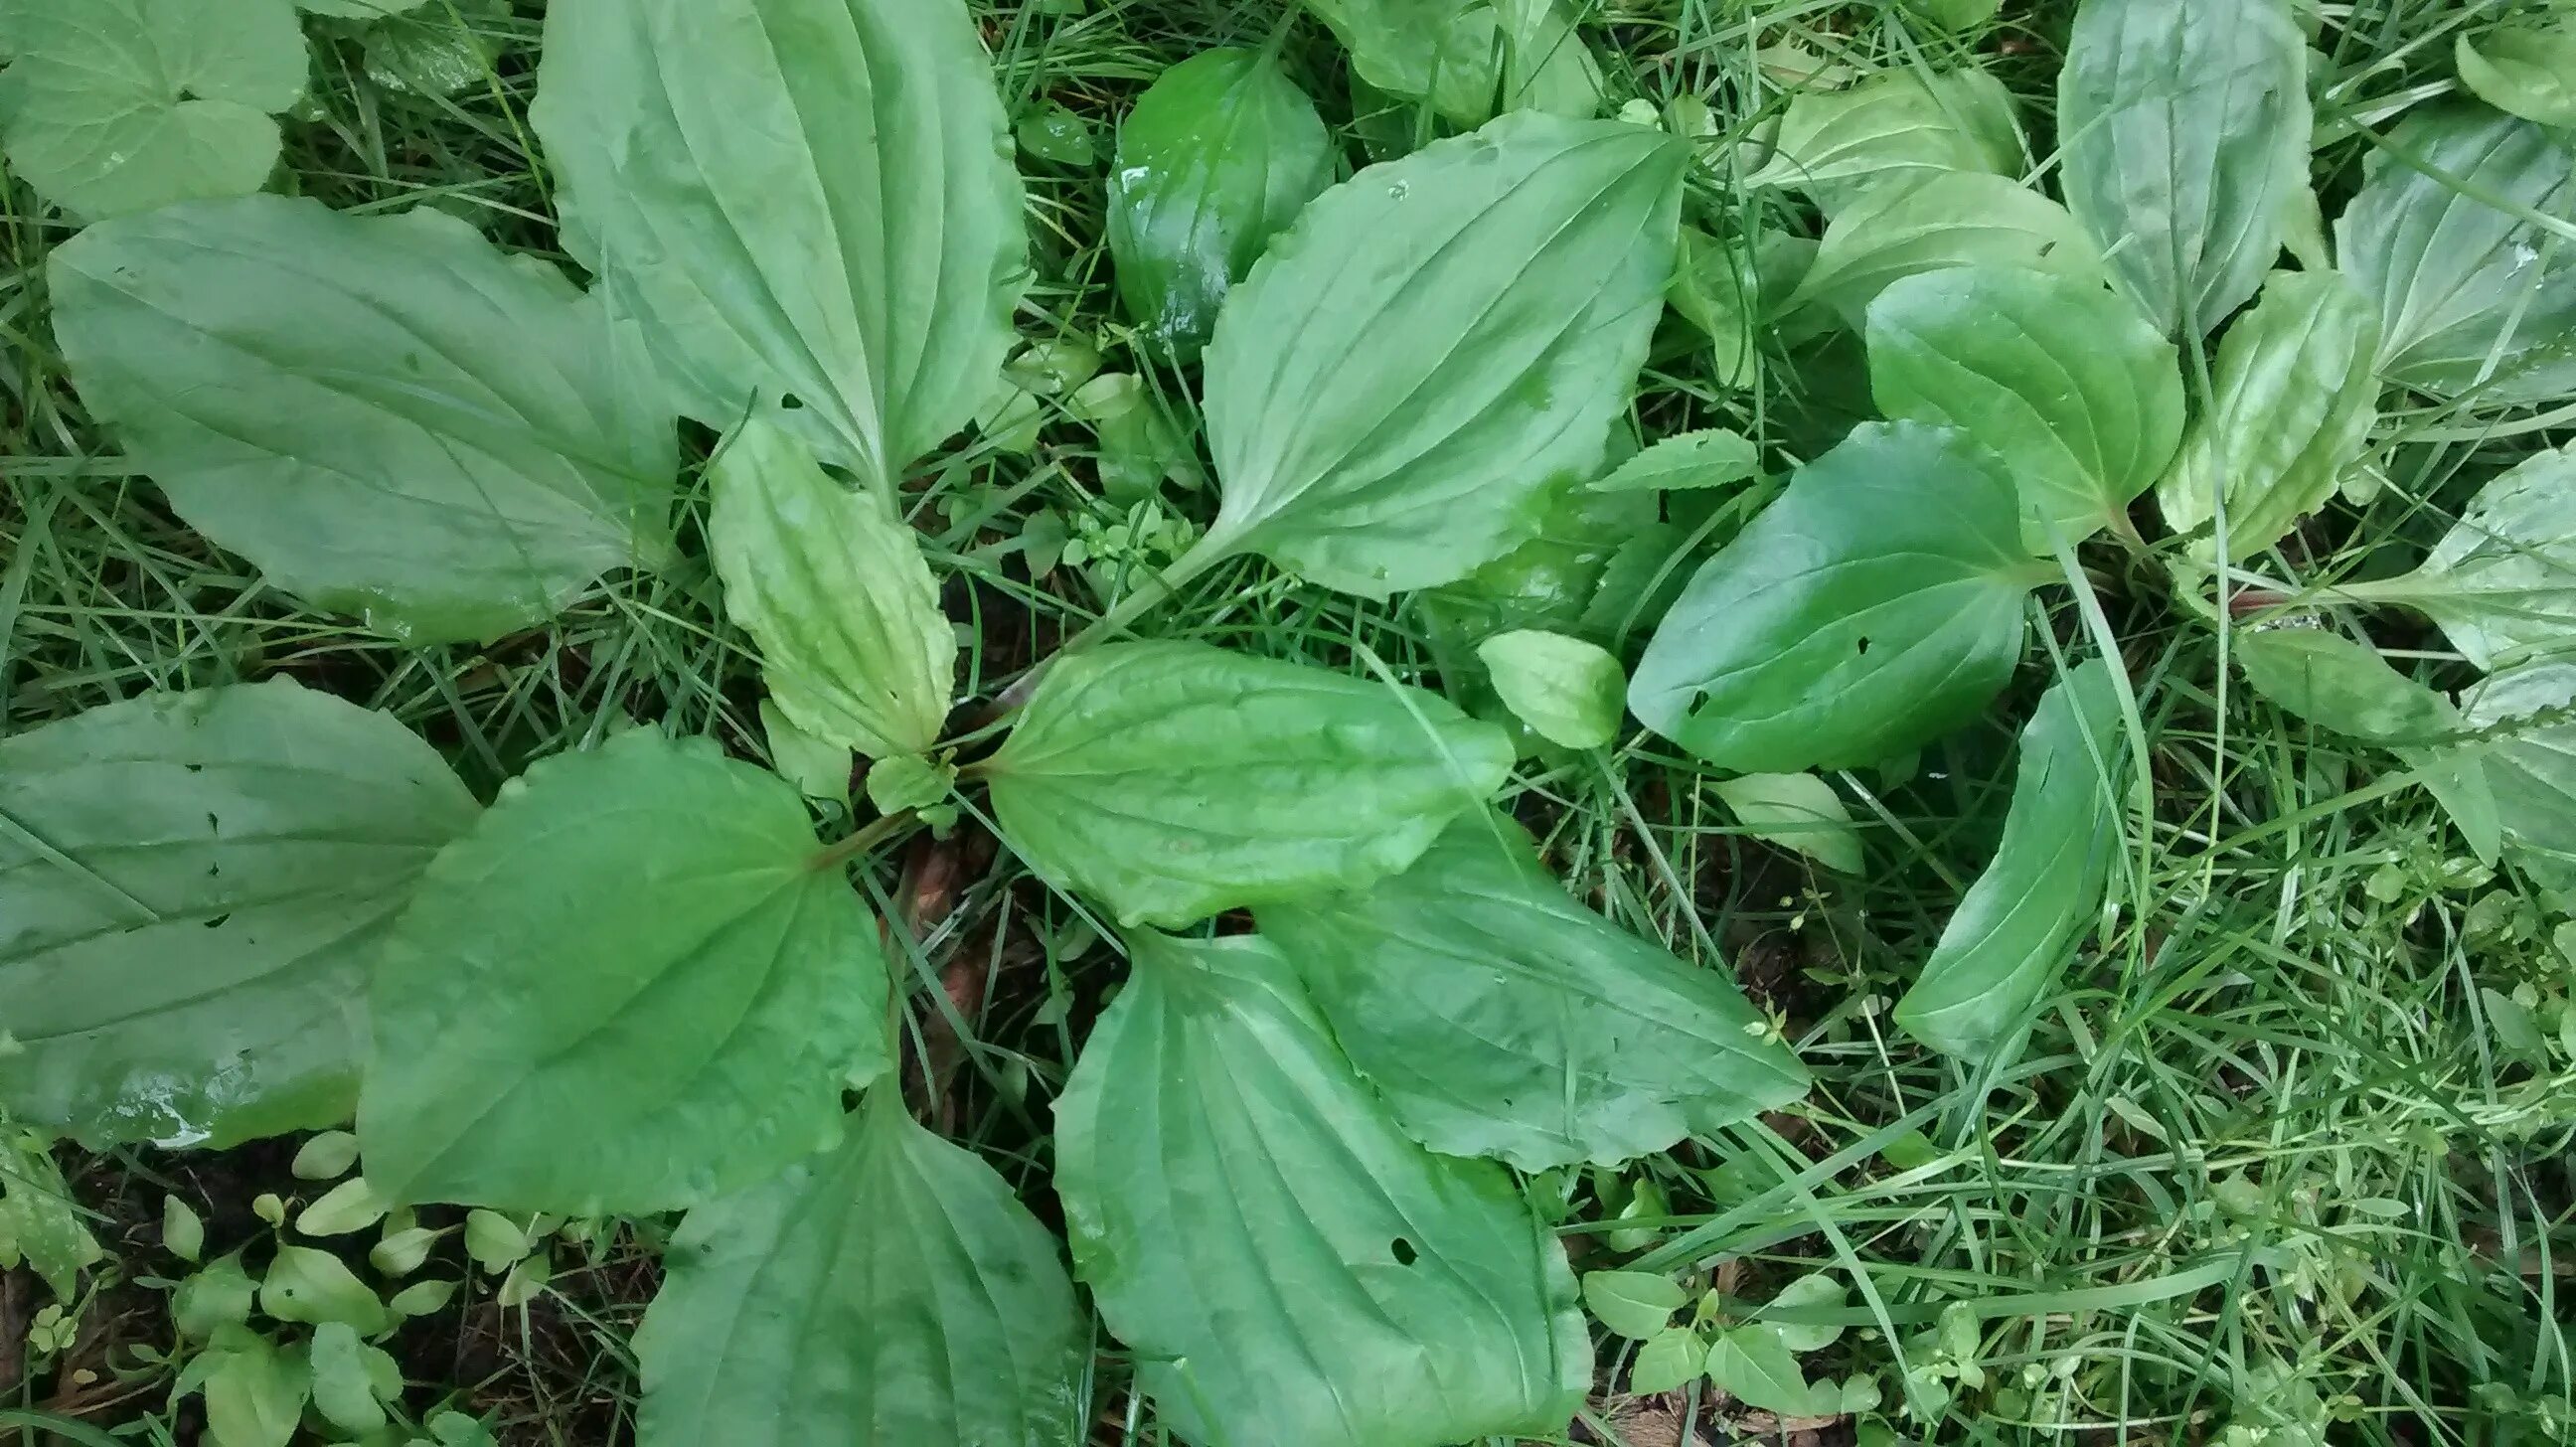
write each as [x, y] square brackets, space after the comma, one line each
[638, 981]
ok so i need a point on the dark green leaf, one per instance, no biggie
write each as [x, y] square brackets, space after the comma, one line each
[810, 204]
[1436, 344]
[1218, 156]
[1499, 1017]
[1172, 781]
[1548, 582]
[2342, 687]
[193, 888]
[1289, 1269]
[2066, 382]
[628, 989]
[1891, 129]
[298, 380]
[1957, 219]
[2022, 920]
[2185, 125]
[1876, 606]
[893, 1294]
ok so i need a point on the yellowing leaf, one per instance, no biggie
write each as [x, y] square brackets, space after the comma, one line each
[1795, 811]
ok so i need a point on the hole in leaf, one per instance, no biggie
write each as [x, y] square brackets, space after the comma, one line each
[1864, 645]
[196, 768]
[1405, 1255]
[791, 403]
[1698, 702]
[217, 921]
[213, 824]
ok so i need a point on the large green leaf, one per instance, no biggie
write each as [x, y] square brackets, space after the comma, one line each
[809, 202]
[2065, 381]
[1470, 60]
[628, 989]
[2528, 70]
[1877, 605]
[1498, 1017]
[192, 889]
[1963, 218]
[1172, 781]
[893, 1294]
[1218, 156]
[2185, 127]
[2529, 758]
[2502, 582]
[388, 415]
[1892, 128]
[1290, 1269]
[120, 106]
[2345, 688]
[2474, 296]
[833, 586]
[2022, 919]
[2295, 401]
[1436, 343]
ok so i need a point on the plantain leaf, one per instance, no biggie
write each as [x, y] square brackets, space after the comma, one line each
[1172, 781]
[1218, 156]
[1691, 461]
[1436, 344]
[2295, 401]
[1470, 60]
[2022, 920]
[386, 414]
[2067, 383]
[2529, 761]
[2502, 582]
[2523, 70]
[1876, 606]
[1288, 1268]
[1497, 1017]
[1958, 219]
[1889, 130]
[1795, 811]
[192, 889]
[839, 1302]
[2475, 296]
[628, 989]
[1569, 692]
[809, 202]
[2185, 126]
[832, 584]
[121, 106]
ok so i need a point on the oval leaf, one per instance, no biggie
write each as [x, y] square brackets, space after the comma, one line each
[2294, 404]
[628, 989]
[2185, 125]
[2525, 70]
[297, 380]
[2066, 382]
[837, 1303]
[2502, 582]
[120, 106]
[1876, 606]
[1891, 129]
[1435, 345]
[1498, 1017]
[1289, 1268]
[2022, 919]
[1942, 221]
[191, 896]
[2473, 298]
[809, 202]
[1795, 811]
[1173, 781]
[1571, 693]
[832, 584]
[1218, 156]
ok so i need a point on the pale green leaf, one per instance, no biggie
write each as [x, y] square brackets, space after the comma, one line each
[183, 1231]
[402, 1252]
[895, 1293]
[1569, 692]
[833, 586]
[309, 1285]
[1470, 60]
[2185, 126]
[255, 1393]
[2528, 717]
[331, 1154]
[1434, 346]
[895, 785]
[1055, 135]
[1754, 1366]
[2502, 582]
[1670, 1360]
[2473, 298]
[218, 1296]
[1890, 130]
[2023, 919]
[440, 49]
[1633, 1303]
[1798, 812]
[525, 1281]
[2294, 403]
[2067, 383]
[819, 770]
[1499, 1017]
[1817, 1289]
[1173, 781]
[810, 203]
[1732, 289]
[121, 106]
[1288, 1268]
[349, 1206]
[1691, 461]
[362, 9]
[1219, 155]
[1944, 220]
[1547, 582]
[423, 1298]
[344, 1380]
[2524, 70]
[627, 989]
[191, 896]
[40, 1224]
[388, 415]
[1876, 606]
